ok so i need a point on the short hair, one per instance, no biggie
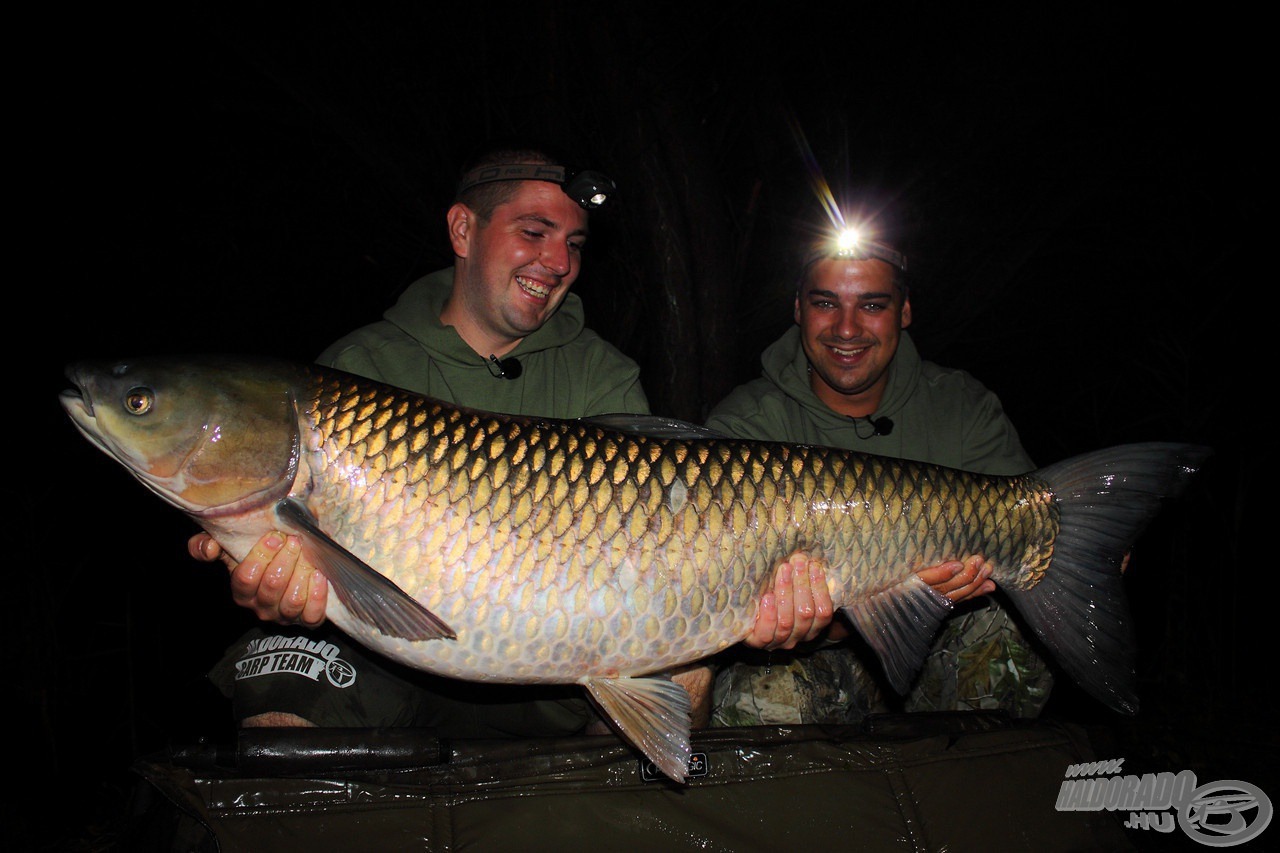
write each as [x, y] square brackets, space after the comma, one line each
[899, 275]
[483, 198]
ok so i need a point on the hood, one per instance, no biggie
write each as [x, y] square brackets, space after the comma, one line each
[785, 364]
[417, 313]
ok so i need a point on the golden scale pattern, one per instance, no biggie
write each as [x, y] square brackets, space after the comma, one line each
[555, 547]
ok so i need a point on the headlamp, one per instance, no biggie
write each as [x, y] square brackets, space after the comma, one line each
[849, 243]
[589, 189]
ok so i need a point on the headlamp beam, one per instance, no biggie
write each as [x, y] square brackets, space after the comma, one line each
[849, 243]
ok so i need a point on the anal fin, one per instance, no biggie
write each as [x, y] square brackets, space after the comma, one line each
[900, 624]
[653, 714]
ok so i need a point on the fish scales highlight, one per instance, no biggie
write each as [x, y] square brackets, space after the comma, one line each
[557, 547]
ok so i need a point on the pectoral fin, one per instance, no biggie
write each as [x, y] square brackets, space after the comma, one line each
[653, 714]
[370, 596]
[900, 624]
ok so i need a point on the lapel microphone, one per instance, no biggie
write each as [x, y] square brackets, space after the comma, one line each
[507, 368]
[879, 426]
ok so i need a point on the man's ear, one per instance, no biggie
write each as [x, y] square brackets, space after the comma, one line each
[796, 314]
[906, 314]
[462, 226]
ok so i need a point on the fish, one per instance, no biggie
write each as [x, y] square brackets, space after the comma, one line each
[608, 551]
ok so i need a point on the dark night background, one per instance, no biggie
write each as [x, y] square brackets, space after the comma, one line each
[1073, 188]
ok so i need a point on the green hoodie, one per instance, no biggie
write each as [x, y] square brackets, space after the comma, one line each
[940, 415]
[567, 370]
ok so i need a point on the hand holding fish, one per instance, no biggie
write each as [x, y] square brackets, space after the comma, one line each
[799, 607]
[960, 581]
[272, 580]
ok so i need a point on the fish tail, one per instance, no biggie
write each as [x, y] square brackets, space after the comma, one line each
[1105, 499]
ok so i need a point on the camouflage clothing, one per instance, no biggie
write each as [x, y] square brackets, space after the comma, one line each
[980, 659]
[826, 685]
[981, 662]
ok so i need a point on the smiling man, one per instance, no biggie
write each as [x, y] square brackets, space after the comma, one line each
[851, 317]
[498, 331]
[514, 265]
[848, 375]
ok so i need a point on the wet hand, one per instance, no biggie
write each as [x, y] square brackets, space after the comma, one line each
[960, 581]
[272, 580]
[798, 608]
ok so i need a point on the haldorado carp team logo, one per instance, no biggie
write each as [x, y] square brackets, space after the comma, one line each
[295, 656]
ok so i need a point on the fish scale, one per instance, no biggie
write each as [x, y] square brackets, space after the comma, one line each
[548, 474]
[608, 551]
[622, 525]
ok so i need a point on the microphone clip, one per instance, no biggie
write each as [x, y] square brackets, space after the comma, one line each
[507, 368]
[879, 426]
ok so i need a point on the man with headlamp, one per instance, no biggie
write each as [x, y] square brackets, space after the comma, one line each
[848, 375]
[499, 331]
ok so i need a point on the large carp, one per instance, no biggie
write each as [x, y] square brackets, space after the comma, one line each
[496, 548]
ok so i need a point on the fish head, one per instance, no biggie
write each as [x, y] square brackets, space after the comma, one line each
[211, 436]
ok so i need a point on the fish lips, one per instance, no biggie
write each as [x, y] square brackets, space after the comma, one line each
[77, 402]
[78, 405]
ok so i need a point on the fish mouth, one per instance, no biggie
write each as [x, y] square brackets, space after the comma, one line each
[77, 402]
[78, 405]
[75, 397]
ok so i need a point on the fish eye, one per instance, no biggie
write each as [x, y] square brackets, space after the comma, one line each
[138, 401]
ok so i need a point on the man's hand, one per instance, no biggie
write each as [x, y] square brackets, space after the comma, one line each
[272, 580]
[798, 609]
[960, 581]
